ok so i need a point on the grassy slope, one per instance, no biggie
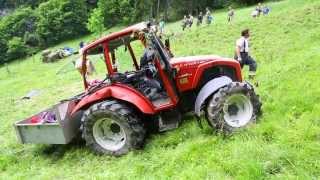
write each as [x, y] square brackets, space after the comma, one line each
[285, 144]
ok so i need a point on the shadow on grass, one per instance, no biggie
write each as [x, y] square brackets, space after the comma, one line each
[57, 151]
[187, 130]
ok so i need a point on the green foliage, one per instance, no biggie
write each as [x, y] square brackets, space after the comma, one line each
[21, 21]
[17, 24]
[61, 19]
[126, 11]
[96, 22]
[45, 23]
[247, 2]
[116, 11]
[16, 48]
[53, 21]
[3, 48]
[178, 8]
[18, 3]
[31, 39]
[143, 9]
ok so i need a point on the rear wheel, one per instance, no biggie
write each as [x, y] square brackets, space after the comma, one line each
[233, 107]
[112, 128]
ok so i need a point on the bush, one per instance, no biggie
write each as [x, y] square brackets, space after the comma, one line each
[117, 11]
[16, 48]
[14, 3]
[96, 22]
[3, 50]
[16, 24]
[61, 19]
[31, 39]
[20, 21]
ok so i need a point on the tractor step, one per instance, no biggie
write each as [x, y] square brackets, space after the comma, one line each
[169, 120]
[161, 101]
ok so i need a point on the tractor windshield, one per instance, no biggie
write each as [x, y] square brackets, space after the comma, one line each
[120, 52]
[124, 54]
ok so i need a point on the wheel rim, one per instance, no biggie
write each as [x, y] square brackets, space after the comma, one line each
[237, 110]
[109, 134]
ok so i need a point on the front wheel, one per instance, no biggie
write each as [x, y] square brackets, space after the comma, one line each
[233, 107]
[112, 128]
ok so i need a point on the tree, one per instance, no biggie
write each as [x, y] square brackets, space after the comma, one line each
[96, 22]
[3, 49]
[16, 48]
[117, 11]
[17, 3]
[19, 22]
[61, 19]
[16, 24]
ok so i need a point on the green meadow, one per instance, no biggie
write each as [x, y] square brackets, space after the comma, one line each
[284, 144]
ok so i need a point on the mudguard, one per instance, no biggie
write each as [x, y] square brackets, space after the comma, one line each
[117, 91]
[208, 89]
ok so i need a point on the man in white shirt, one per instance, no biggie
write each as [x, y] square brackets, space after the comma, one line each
[242, 53]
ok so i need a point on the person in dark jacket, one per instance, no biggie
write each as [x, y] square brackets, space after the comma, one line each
[200, 18]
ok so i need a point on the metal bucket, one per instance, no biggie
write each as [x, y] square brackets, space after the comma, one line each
[61, 131]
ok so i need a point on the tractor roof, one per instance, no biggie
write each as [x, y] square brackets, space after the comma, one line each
[124, 32]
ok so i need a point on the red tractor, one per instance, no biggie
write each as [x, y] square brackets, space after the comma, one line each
[114, 114]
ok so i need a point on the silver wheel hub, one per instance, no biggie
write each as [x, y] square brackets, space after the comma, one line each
[237, 110]
[109, 134]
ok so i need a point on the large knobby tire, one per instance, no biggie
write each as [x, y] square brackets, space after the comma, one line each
[112, 128]
[233, 107]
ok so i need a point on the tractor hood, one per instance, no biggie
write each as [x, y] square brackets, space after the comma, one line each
[194, 61]
[190, 70]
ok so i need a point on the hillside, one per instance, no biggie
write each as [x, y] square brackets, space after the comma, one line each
[284, 144]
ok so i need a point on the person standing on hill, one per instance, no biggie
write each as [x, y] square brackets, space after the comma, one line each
[184, 22]
[208, 16]
[230, 14]
[242, 53]
[190, 20]
[265, 10]
[161, 27]
[200, 18]
[259, 9]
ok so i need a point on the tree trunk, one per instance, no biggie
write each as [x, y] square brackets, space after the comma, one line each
[166, 6]
[158, 11]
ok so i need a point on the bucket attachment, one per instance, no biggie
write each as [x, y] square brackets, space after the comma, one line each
[52, 126]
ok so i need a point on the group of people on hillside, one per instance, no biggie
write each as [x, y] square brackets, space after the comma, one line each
[255, 13]
[158, 26]
[260, 10]
[187, 21]
[242, 50]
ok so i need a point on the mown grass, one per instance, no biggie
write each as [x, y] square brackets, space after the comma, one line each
[285, 144]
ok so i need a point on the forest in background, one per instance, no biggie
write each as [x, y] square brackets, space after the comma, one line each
[28, 26]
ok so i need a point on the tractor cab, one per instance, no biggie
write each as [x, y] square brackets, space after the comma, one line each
[134, 57]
